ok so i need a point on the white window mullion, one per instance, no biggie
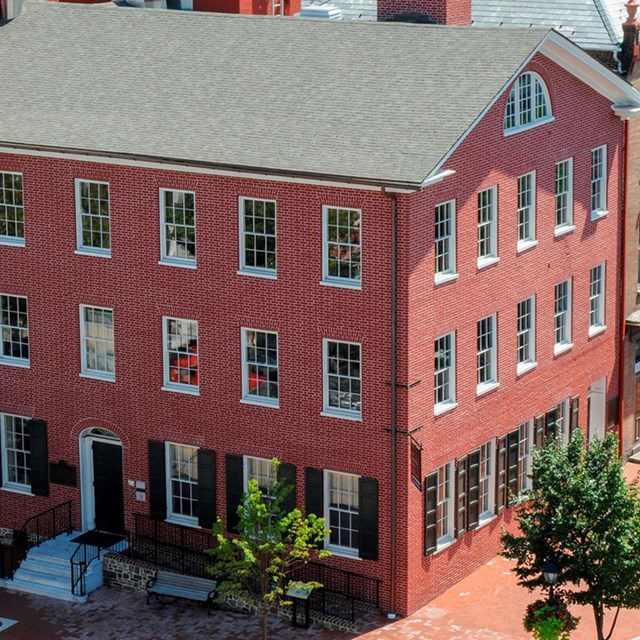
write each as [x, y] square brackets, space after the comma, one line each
[445, 241]
[182, 483]
[180, 355]
[14, 330]
[444, 506]
[526, 335]
[526, 210]
[260, 367]
[487, 227]
[597, 299]
[93, 218]
[562, 317]
[486, 355]
[11, 209]
[97, 342]
[342, 512]
[599, 182]
[564, 196]
[342, 250]
[342, 379]
[445, 373]
[258, 237]
[178, 227]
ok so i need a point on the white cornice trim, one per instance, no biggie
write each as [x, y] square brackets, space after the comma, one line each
[626, 113]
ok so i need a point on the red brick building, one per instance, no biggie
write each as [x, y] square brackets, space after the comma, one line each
[397, 288]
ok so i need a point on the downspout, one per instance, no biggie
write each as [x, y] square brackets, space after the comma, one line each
[394, 424]
[621, 358]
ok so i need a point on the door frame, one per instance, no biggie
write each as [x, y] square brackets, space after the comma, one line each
[87, 438]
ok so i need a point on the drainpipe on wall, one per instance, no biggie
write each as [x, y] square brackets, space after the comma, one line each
[394, 425]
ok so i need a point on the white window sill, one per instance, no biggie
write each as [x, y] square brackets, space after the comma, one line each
[184, 265]
[483, 263]
[12, 242]
[267, 275]
[559, 349]
[598, 215]
[97, 376]
[95, 254]
[524, 367]
[486, 387]
[444, 407]
[343, 415]
[563, 230]
[24, 491]
[340, 552]
[596, 331]
[526, 127]
[443, 278]
[525, 245]
[486, 519]
[342, 284]
[443, 544]
[260, 403]
[21, 364]
[185, 390]
[183, 522]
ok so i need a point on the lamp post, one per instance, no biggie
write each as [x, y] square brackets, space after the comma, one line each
[550, 574]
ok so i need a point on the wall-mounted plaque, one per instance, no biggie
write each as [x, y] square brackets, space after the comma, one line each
[63, 473]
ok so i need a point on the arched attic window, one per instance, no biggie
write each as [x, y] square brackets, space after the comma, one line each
[528, 104]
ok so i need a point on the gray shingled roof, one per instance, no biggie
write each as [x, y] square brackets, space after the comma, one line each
[591, 24]
[334, 98]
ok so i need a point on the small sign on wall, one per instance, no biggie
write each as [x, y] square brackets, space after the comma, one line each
[63, 473]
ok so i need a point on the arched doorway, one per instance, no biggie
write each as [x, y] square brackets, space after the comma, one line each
[101, 480]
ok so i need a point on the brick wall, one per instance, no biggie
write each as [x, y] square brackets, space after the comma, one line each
[455, 12]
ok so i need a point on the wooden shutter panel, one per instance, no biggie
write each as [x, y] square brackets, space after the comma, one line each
[314, 492]
[37, 430]
[473, 490]
[287, 474]
[206, 488]
[416, 465]
[430, 512]
[1, 448]
[538, 431]
[235, 487]
[501, 475]
[551, 424]
[368, 518]
[513, 475]
[461, 495]
[157, 480]
[574, 409]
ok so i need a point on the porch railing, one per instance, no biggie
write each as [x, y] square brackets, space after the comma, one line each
[83, 556]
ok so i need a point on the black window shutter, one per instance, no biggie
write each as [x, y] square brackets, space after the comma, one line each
[574, 413]
[37, 430]
[1, 450]
[501, 475]
[287, 474]
[416, 465]
[314, 492]
[235, 487]
[473, 490]
[430, 512]
[513, 475]
[551, 424]
[206, 488]
[157, 481]
[368, 518]
[461, 496]
[538, 433]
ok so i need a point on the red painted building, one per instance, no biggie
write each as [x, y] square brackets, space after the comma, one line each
[399, 300]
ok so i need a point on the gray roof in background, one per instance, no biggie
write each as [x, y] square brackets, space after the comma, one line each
[338, 98]
[591, 24]
[350, 9]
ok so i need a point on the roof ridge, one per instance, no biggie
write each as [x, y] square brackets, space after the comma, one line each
[606, 20]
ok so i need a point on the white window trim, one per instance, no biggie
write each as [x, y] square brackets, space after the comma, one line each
[13, 487]
[518, 128]
[492, 258]
[14, 241]
[489, 385]
[562, 347]
[488, 514]
[11, 361]
[599, 327]
[271, 274]
[347, 283]
[245, 469]
[450, 274]
[334, 411]
[528, 365]
[80, 248]
[529, 243]
[597, 214]
[167, 385]
[247, 398]
[174, 261]
[450, 403]
[446, 539]
[525, 462]
[176, 518]
[568, 226]
[335, 549]
[84, 371]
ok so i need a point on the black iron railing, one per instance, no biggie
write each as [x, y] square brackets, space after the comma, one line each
[35, 530]
[84, 555]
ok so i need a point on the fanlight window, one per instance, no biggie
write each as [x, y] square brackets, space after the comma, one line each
[528, 104]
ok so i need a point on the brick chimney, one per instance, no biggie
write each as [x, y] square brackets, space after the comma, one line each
[254, 7]
[440, 11]
[630, 51]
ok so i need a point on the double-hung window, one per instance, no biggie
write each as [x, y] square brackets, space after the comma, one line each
[11, 209]
[525, 446]
[526, 210]
[596, 299]
[342, 379]
[444, 506]
[444, 373]
[258, 237]
[342, 512]
[562, 317]
[260, 366]
[16, 453]
[486, 499]
[486, 359]
[180, 339]
[97, 344]
[14, 327]
[487, 227]
[341, 262]
[564, 196]
[182, 483]
[262, 470]
[445, 241]
[526, 335]
[178, 227]
[599, 182]
[93, 220]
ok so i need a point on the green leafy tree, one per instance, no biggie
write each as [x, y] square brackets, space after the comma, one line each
[582, 514]
[271, 541]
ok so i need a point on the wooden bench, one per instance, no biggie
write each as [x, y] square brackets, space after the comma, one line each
[177, 585]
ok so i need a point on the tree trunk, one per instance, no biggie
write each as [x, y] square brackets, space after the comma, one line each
[265, 628]
[598, 614]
